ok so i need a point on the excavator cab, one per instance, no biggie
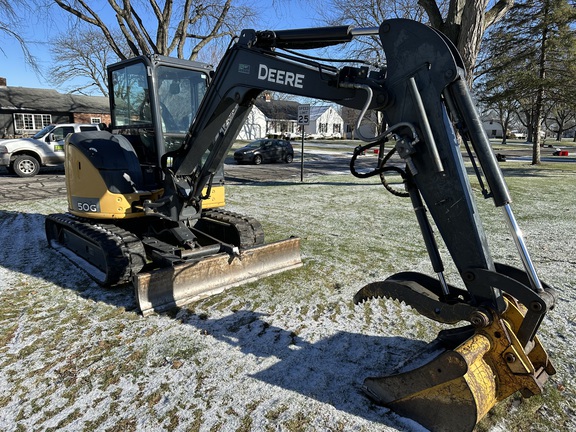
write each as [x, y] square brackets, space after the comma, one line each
[155, 99]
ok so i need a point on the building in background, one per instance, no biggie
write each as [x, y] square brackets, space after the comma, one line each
[25, 111]
[279, 119]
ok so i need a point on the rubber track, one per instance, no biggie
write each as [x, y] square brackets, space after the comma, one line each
[249, 229]
[124, 252]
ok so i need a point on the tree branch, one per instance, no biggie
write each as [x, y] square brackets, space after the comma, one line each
[93, 19]
[124, 17]
[157, 49]
[497, 12]
[179, 39]
[215, 29]
[433, 12]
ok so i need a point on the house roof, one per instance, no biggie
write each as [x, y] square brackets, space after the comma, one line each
[46, 100]
[317, 110]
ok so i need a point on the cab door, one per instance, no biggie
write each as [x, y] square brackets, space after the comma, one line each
[270, 150]
[55, 142]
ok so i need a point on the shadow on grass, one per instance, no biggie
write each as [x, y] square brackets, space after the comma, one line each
[330, 370]
[27, 251]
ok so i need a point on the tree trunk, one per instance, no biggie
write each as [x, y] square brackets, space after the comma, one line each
[465, 24]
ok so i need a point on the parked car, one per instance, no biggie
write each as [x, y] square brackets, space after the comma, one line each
[314, 136]
[291, 135]
[25, 156]
[265, 150]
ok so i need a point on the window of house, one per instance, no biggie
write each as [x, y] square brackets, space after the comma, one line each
[31, 122]
[95, 120]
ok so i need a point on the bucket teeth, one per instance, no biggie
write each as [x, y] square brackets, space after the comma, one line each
[422, 293]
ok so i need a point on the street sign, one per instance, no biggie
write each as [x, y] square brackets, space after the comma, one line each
[303, 114]
[303, 119]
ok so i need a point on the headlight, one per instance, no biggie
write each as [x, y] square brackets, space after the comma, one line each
[3, 149]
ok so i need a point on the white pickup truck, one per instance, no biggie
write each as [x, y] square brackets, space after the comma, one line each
[25, 156]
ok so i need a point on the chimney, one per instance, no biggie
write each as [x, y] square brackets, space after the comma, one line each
[2, 82]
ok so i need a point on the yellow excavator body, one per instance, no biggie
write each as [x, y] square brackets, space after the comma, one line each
[89, 195]
[110, 233]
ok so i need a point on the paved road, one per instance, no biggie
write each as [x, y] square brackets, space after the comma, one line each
[50, 182]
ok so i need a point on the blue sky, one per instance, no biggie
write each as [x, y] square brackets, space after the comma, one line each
[282, 14]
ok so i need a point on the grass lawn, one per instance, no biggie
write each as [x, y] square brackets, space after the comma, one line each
[286, 353]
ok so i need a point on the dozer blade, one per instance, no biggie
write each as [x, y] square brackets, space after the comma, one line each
[471, 370]
[167, 288]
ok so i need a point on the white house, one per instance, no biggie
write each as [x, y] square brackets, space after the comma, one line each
[325, 121]
[278, 118]
[492, 127]
[254, 127]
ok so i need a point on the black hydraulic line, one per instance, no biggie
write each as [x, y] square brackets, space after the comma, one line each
[458, 123]
[464, 104]
[425, 227]
[485, 192]
[382, 163]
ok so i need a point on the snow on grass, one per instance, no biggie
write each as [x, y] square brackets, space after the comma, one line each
[287, 353]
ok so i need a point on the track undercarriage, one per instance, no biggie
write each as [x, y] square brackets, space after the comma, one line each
[228, 250]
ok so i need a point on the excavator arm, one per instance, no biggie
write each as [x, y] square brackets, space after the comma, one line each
[423, 97]
[250, 66]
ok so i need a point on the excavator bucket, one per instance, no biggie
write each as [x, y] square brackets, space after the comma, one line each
[176, 286]
[459, 385]
[451, 392]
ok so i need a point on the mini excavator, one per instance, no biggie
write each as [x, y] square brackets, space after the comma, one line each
[145, 201]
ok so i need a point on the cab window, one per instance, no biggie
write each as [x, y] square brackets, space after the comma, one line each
[88, 128]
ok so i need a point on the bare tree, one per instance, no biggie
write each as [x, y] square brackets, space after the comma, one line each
[177, 27]
[560, 119]
[82, 56]
[10, 24]
[462, 21]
